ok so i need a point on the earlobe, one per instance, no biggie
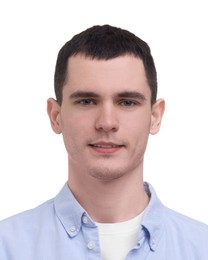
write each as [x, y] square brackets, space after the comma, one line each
[53, 110]
[157, 113]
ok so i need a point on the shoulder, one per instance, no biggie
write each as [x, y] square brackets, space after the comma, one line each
[172, 220]
[171, 231]
[186, 229]
[28, 219]
[184, 221]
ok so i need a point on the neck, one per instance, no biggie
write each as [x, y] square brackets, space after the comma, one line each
[111, 201]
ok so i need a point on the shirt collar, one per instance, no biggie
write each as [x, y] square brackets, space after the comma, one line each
[69, 211]
[71, 214]
[153, 220]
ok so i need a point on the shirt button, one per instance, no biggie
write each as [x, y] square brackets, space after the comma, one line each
[85, 220]
[73, 228]
[153, 241]
[91, 245]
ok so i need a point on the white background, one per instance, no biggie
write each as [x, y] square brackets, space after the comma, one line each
[33, 161]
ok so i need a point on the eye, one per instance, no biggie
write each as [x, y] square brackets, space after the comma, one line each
[86, 102]
[127, 103]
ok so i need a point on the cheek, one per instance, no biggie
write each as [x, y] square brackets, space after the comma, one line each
[76, 130]
[138, 132]
[139, 124]
[73, 122]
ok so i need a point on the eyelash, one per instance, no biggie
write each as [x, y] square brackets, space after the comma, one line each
[85, 102]
[129, 102]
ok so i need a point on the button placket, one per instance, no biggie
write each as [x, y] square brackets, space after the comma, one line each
[91, 237]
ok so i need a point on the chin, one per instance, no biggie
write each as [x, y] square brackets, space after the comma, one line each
[106, 173]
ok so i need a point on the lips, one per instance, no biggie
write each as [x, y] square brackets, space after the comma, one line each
[106, 147]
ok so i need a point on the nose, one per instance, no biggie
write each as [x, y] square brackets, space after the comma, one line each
[107, 119]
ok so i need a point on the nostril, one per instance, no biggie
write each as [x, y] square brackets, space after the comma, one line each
[107, 125]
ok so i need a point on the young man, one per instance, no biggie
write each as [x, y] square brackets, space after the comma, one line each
[105, 108]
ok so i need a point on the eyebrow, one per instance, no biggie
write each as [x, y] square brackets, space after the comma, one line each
[83, 94]
[125, 94]
[132, 94]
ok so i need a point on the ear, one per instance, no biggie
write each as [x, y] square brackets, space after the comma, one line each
[157, 113]
[53, 110]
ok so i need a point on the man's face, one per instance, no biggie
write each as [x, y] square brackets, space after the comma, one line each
[106, 116]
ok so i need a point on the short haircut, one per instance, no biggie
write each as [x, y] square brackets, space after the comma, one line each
[103, 43]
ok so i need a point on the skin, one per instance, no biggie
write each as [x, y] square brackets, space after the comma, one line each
[105, 119]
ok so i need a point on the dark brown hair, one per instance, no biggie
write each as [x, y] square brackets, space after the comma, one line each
[105, 42]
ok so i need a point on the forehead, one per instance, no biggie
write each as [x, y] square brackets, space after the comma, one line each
[123, 73]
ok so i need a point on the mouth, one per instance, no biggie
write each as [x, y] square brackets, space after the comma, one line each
[103, 147]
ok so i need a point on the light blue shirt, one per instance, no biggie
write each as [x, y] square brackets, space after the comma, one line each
[60, 229]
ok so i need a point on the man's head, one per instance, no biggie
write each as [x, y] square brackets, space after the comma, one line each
[104, 43]
[106, 104]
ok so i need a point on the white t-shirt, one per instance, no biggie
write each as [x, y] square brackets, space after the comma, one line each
[117, 239]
